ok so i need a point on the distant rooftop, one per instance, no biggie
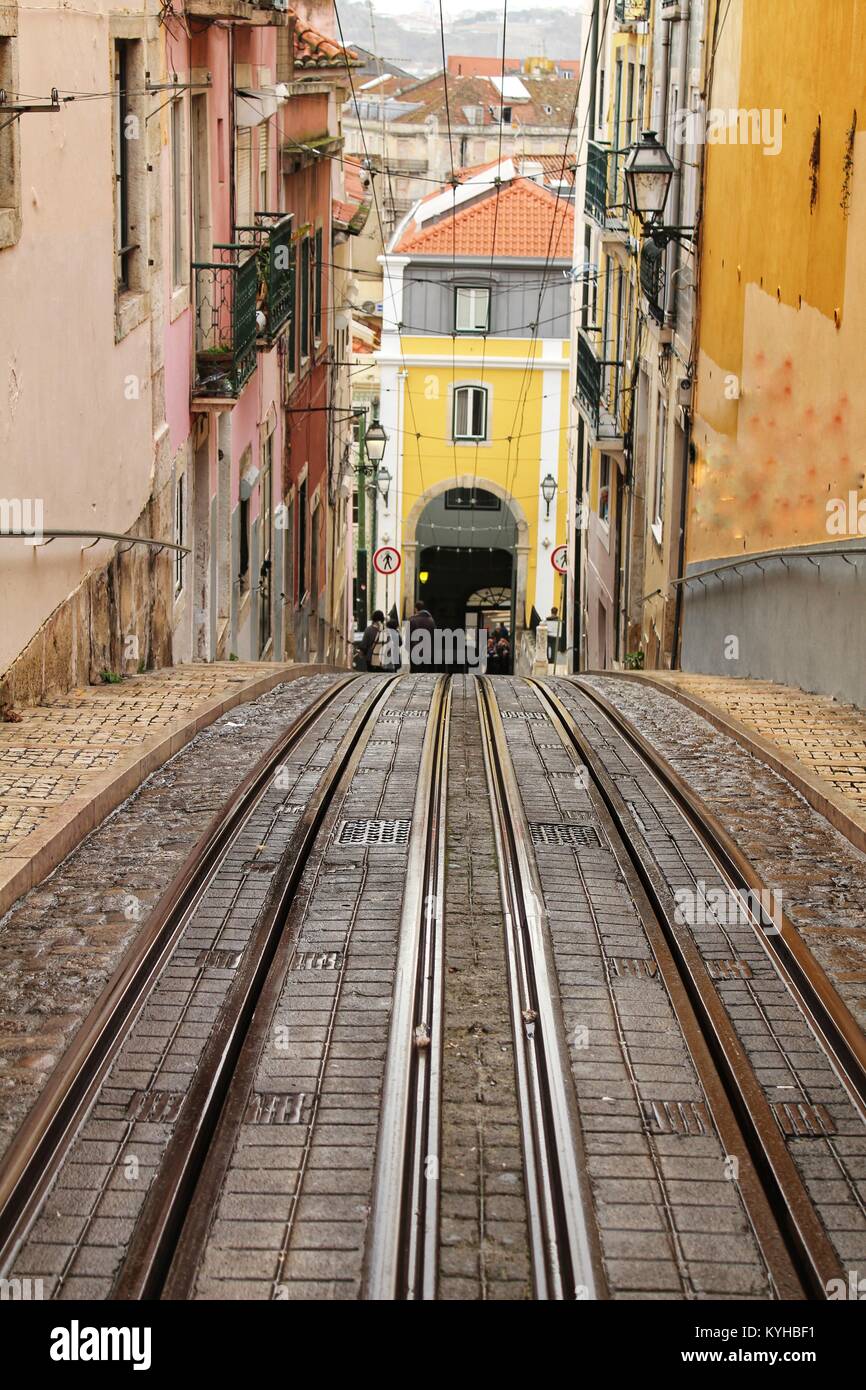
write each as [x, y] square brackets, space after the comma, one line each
[465, 65]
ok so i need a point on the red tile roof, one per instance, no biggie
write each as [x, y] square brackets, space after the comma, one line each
[550, 104]
[526, 218]
[352, 178]
[315, 50]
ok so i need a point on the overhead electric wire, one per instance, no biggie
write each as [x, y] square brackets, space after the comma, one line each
[382, 233]
[498, 184]
[554, 234]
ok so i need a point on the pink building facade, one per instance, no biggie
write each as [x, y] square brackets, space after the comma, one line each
[171, 297]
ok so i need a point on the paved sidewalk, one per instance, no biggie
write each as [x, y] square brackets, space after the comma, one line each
[815, 741]
[72, 760]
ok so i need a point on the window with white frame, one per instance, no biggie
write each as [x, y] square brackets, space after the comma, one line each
[10, 170]
[128, 143]
[471, 309]
[470, 412]
[179, 529]
[604, 489]
[178, 195]
[659, 481]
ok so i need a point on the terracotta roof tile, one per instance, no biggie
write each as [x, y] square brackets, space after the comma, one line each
[551, 101]
[315, 50]
[523, 226]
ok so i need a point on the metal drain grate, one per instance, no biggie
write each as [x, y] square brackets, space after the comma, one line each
[374, 832]
[682, 1117]
[799, 1120]
[404, 714]
[565, 836]
[537, 714]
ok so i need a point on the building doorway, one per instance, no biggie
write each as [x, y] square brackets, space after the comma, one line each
[467, 569]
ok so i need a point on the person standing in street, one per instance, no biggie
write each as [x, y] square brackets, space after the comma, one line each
[372, 647]
[422, 630]
[393, 643]
[552, 634]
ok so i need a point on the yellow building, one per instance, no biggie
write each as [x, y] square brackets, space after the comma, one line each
[780, 414]
[474, 400]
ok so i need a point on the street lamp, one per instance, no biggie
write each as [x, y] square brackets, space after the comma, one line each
[548, 490]
[648, 171]
[375, 441]
[383, 479]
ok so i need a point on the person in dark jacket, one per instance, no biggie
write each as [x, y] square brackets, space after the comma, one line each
[371, 645]
[393, 643]
[421, 654]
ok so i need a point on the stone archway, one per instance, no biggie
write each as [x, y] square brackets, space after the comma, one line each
[521, 549]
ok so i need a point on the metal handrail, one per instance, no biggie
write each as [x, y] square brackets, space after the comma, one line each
[91, 535]
[806, 553]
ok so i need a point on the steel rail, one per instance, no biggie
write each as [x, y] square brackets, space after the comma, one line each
[404, 1232]
[808, 1257]
[564, 1246]
[160, 1225]
[829, 1016]
[35, 1154]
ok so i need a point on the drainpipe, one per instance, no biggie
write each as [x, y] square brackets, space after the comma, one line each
[672, 269]
[231, 132]
[593, 68]
[673, 217]
[681, 547]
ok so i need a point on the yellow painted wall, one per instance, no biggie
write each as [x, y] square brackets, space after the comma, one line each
[783, 289]
[515, 405]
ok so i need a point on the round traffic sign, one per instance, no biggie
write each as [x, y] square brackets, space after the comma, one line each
[387, 560]
[559, 559]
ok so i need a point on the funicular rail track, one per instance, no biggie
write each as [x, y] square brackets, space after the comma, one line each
[563, 1245]
[47, 1138]
[402, 1263]
[553, 958]
[790, 1230]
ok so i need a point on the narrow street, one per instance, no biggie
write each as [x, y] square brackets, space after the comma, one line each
[432, 685]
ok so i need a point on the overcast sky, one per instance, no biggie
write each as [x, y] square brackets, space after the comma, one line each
[403, 9]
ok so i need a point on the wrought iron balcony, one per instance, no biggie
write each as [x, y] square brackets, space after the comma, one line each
[631, 11]
[271, 239]
[605, 198]
[225, 321]
[652, 279]
[599, 391]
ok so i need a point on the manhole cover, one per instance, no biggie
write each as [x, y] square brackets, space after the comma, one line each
[374, 832]
[566, 835]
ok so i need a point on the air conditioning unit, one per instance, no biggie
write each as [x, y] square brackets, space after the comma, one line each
[280, 5]
[674, 9]
[685, 386]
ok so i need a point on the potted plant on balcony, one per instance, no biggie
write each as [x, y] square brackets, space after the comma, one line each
[213, 368]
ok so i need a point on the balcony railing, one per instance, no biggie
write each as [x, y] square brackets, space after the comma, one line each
[599, 389]
[271, 238]
[652, 279]
[407, 166]
[605, 197]
[225, 321]
[631, 11]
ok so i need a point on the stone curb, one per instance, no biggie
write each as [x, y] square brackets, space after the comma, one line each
[821, 795]
[32, 859]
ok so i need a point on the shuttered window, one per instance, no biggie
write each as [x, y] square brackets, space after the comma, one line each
[243, 170]
[317, 290]
[262, 204]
